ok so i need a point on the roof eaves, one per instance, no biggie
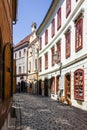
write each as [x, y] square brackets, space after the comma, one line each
[47, 16]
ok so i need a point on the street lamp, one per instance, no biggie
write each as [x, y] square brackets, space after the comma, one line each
[56, 57]
[58, 62]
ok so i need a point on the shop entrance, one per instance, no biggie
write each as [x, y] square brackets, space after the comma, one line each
[46, 87]
[40, 90]
[68, 88]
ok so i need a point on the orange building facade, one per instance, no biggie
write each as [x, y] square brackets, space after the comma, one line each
[8, 10]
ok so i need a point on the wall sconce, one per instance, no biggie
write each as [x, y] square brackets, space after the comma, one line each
[56, 57]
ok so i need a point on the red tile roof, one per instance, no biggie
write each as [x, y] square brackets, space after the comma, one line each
[26, 39]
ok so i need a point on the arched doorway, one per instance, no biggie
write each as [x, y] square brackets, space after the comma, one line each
[7, 71]
[57, 84]
[52, 85]
[0, 64]
[46, 87]
[68, 88]
[40, 90]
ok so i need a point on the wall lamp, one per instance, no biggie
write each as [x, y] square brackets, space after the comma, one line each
[56, 59]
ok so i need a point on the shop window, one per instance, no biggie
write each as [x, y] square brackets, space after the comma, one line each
[59, 18]
[68, 41]
[52, 52]
[46, 61]
[53, 28]
[58, 51]
[79, 84]
[46, 37]
[68, 7]
[78, 34]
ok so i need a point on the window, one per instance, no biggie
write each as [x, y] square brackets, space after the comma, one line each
[40, 64]
[46, 37]
[24, 51]
[52, 52]
[78, 34]
[35, 64]
[67, 37]
[68, 7]
[53, 28]
[23, 69]
[46, 61]
[59, 18]
[19, 69]
[59, 51]
[29, 69]
[40, 43]
[79, 84]
[19, 53]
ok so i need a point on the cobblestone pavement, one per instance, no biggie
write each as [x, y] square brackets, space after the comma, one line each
[43, 113]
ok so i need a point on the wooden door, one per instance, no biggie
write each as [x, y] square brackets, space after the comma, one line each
[57, 84]
[52, 85]
[7, 71]
[68, 88]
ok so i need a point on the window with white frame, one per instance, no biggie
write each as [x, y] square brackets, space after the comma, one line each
[40, 64]
[46, 36]
[19, 69]
[59, 18]
[68, 43]
[68, 7]
[79, 33]
[53, 28]
[19, 54]
[58, 51]
[46, 61]
[52, 55]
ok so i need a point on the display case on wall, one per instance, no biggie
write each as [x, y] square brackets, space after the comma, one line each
[79, 84]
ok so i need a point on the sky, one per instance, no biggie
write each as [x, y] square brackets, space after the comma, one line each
[29, 11]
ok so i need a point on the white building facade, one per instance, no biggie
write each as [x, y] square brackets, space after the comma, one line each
[64, 32]
[21, 56]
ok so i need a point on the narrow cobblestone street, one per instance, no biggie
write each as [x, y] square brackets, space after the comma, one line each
[43, 113]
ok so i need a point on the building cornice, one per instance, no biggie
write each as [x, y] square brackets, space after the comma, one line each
[47, 16]
[66, 65]
[20, 47]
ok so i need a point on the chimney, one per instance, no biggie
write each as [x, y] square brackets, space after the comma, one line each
[34, 26]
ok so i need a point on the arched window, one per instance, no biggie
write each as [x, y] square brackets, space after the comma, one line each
[79, 84]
